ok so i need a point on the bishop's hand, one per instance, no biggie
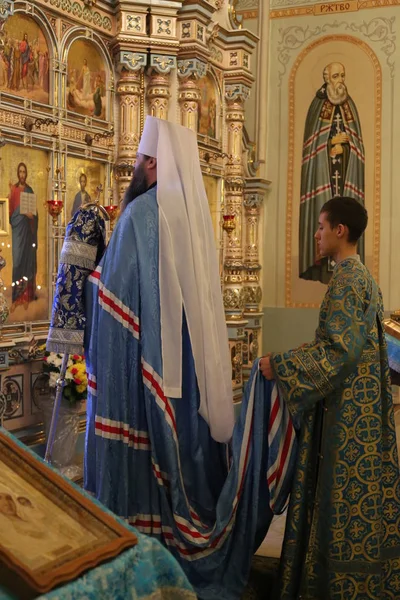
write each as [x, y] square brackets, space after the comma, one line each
[266, 368]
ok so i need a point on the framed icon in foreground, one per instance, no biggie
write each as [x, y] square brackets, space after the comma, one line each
[51, 533]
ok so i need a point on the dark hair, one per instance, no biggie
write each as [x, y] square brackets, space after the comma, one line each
[82, 175]
[133, 190]
[343, 210]
[22, 164]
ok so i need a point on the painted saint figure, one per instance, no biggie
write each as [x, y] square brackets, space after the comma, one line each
[24, 243]
[85, 80]
[25, 51]
[332, 165]
[98, 107]
[82, 197]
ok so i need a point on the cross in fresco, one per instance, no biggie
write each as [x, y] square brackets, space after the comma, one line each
[336, 178]
[338, 121]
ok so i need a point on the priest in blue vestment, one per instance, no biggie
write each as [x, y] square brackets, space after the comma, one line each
[161, 447]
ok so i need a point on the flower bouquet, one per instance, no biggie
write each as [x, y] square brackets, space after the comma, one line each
[75, 389]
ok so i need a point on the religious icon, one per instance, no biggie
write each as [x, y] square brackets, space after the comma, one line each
[50, 532]
[24, 59]
[207, 124]
[24, 513]
[83, 178]
[86, 80]
[82, 197]
[24, 232]
[25, 247]
[332, 165]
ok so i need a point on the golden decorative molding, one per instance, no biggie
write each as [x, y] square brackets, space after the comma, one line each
[248, 14]
[330, 8]
[67, 132]
[95, 18]
[377, 162]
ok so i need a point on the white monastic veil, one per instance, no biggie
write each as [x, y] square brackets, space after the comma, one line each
[189, 274]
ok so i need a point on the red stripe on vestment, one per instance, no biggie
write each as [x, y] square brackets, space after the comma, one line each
[158, 389]
[118, 310]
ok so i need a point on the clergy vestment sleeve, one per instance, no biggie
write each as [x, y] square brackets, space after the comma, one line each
[313, 371]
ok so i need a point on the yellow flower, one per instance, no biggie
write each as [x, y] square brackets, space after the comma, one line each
[81, 388]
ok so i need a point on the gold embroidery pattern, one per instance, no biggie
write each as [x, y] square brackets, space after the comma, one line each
[342, 539]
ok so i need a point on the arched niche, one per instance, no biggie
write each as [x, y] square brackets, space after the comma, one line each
[27, 51]
[364, 85]
[88, 88]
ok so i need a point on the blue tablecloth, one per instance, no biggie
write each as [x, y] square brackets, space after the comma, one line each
[146, 571]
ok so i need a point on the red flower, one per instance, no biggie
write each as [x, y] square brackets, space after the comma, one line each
[77, 381]
[45, 358]
[76, 357]
[74, 371]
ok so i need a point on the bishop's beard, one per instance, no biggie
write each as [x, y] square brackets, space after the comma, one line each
[138, 186]
[336, 94]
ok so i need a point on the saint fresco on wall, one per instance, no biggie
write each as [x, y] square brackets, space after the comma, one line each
[24, 183]
[332, 165]
[207, 124]
[86, 80]
[333, 148]
[24, 59]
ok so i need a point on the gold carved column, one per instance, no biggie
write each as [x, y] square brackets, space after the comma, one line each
[158, 86]
[234, 291]
[189, 72]
[130, 95]
[253, 293]
[234, 183]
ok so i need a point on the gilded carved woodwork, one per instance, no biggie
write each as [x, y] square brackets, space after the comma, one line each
[189, 73]
[234, 184]
[159, 61]
[129, 92]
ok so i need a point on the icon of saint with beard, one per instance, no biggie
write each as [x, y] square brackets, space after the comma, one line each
[333, 165]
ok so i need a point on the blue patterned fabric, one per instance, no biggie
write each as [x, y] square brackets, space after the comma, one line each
[146, 571]
[150, 458]
[83, 247]
[342, 536]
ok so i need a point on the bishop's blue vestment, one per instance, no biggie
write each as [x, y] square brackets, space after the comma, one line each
[150, 458]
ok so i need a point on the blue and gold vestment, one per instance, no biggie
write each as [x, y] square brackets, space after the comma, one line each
[342, 538]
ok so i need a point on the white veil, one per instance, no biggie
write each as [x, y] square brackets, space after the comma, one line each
[189, 275]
